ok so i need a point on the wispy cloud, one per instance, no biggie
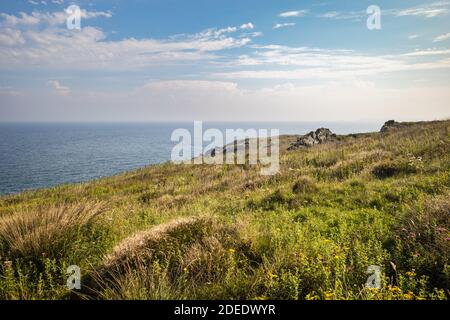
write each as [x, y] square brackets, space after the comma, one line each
[281, 62]
[350, 15]
[247, 26]
[330, 14]
[297, 13]
[427, 52]
[283, 25]
[432, 10]
[60, 89]
[46, 18]
[442, 37]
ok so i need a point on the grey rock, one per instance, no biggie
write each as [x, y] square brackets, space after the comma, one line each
[390, 125]
[321, 135]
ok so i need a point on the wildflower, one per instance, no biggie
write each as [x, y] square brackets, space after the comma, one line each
[410, 273]
[336, 257]
[272, 276]
[329, 295]
[440, 229]
[394, 289]
[409, 295]
[231, 250]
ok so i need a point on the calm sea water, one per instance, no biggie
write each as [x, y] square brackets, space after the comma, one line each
[43, 155]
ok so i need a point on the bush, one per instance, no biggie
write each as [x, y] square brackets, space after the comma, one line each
[393, 168]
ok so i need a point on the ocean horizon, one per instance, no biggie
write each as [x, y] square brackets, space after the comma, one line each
[42, 155]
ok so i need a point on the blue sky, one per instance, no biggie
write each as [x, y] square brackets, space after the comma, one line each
[166, 60]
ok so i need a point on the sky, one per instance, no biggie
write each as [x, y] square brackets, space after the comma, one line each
[224, 60]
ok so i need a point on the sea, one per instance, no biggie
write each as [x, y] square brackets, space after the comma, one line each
[41, 155]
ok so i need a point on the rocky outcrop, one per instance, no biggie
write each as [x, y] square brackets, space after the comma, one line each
[391, 125]
[321, 135]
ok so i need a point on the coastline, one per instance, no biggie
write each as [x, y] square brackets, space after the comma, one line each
[60, 162]
[335, 209]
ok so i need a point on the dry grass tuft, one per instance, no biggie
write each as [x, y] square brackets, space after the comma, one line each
[152, 263]
[135, 246]
[45, 231]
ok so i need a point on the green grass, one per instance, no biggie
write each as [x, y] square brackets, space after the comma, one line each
[226, 232]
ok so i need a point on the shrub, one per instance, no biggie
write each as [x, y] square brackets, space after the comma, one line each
[392, 168]
[147, 196]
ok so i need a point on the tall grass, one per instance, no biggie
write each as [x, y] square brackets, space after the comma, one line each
[45, 231]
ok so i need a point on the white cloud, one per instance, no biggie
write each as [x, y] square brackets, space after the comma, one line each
[257, 34]
[58, 87]
[351, 15]
[413, 36]
[280, 62]
[40, 40]
[331, 14]
[289, 14]
[427, 52]
[442, 37]
[10, 37]
[47, 18]
[431, 10]
[247, 26]
[434, 9]
[283, 25]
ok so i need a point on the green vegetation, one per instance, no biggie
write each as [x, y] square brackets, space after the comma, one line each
[226, 232]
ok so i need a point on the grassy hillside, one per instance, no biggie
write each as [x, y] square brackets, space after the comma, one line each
[205, 232]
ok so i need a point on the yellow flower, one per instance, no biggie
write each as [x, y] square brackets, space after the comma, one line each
[231, 250]
[329, 295]
[272, 276]
[410, 273]
[394, 289]
[408, 296]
